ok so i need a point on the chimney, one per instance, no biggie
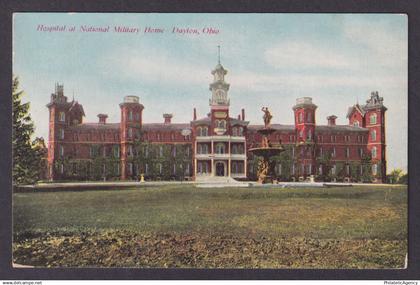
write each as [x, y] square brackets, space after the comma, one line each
[243, 114]
[102, 118]
[167, 118]
[239, 116]
[195, 115]
[331, 120]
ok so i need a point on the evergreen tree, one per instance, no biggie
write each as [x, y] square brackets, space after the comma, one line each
[26, 157]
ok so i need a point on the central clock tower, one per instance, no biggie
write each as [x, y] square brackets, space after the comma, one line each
[219, 102]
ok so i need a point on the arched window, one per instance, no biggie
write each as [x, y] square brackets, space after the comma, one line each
[240, 149]
[234, 167]
[300, 117]
[62, 117]
[347, 152]
[62, 134]
[234, 149]
[130, 115]
[374, 152]
[235, 131]
[240, 131]
[356, 123]
[61, 150]
[130, 132]
[373, 135]
[309, 135]
[199, 131]
[160, 151]
[374, 169]
[373, 118]
[308, 117]
[220, 148]
[221, 124]
[333, 169]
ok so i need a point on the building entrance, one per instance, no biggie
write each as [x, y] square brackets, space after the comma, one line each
[220, 169]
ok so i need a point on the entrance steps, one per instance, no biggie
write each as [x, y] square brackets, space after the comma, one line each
[218, 181]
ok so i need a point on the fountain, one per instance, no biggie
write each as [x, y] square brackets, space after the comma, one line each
[265, 169]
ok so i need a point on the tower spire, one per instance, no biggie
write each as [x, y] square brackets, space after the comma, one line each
[218, 58]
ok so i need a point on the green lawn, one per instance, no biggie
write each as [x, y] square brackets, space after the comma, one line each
[183, 226]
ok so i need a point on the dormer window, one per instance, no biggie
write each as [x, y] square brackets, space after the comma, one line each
[235, 131]
[202, 131]
[356, 123]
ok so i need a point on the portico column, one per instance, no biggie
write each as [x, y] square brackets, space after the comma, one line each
[245, 161]
[229, 160]
[195, 167]
[212, 167]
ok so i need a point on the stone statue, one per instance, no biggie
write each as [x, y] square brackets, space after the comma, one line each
[263, 170]
[267, 117]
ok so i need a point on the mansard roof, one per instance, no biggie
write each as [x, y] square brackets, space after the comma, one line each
[165, 127]
[96, 126]
[360, 108]
[278, 127]
[207, 121]
[234, 121]
[75, 105]
[322, 128]
[340, 128]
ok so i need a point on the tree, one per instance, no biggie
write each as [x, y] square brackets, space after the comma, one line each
[394, 176]
[26, 155]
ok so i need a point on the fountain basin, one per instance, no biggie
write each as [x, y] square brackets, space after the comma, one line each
[266, 151]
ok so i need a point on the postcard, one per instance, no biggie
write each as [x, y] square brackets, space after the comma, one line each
[150, 140]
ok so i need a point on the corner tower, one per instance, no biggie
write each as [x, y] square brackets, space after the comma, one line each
[58, 121]
[131, 123]
[304, 113]
[375, 123]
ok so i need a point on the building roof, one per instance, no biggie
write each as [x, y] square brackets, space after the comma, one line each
[374, 102]
[165, 127]
[207, 121]
[96, 126]
[279, 127]
[340, 128]
[334, 128]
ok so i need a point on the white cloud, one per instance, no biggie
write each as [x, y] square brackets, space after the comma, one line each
[388, 49]
[306, 55]
[161, 68]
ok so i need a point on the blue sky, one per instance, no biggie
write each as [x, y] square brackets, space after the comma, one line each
[272, 59]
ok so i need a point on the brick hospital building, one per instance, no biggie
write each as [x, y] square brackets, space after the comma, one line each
[214, 146]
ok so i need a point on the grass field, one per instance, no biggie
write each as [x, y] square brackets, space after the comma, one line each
[183, 226]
